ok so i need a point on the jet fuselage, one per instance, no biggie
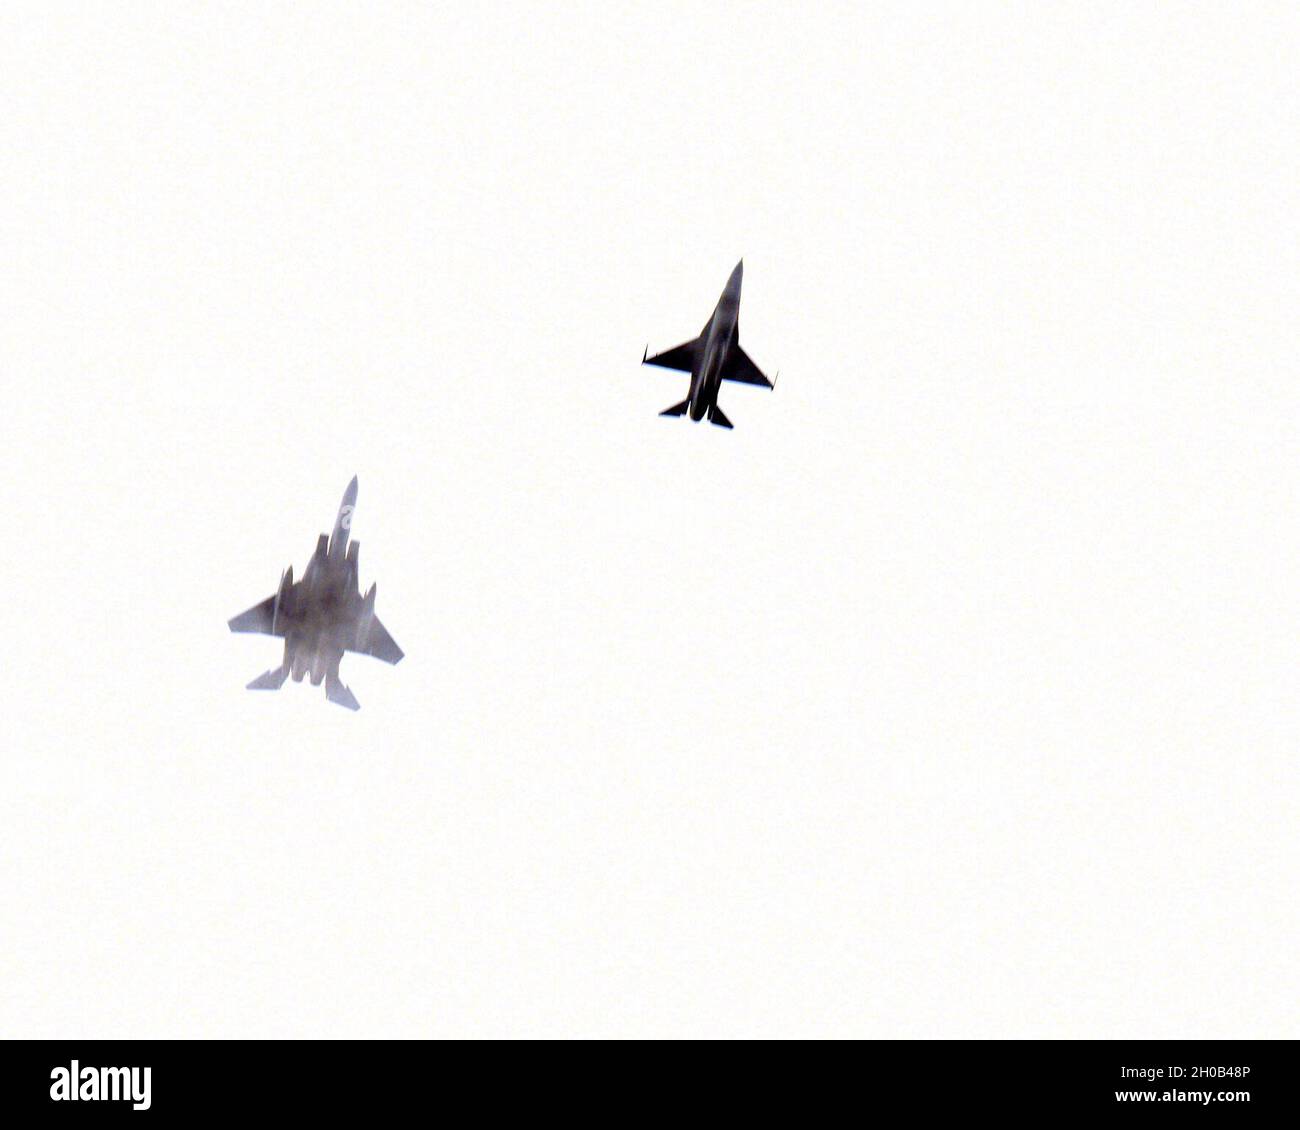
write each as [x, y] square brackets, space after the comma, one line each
[715, 343]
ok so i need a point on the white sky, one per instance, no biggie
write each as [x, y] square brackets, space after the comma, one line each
[954, 693]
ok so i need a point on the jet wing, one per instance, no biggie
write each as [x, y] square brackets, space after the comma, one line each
[259, 618]
[377, 642]
[679, 357]
[741, 368]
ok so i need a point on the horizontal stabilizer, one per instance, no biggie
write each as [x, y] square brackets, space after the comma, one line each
[716, 417]
[335, 691]
[677, 409]
[270, 680]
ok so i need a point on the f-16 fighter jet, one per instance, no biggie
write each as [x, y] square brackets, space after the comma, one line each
[321, 616]
[713, 357]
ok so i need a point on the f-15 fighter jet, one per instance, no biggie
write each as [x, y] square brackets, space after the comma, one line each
[713, 357]
[321, 616]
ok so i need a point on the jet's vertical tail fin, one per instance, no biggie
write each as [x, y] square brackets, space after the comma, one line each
[677, 409]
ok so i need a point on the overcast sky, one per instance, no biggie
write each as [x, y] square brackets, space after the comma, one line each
[953, 693]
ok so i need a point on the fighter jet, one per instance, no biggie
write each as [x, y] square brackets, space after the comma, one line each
[321, 616]
[713, 357]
